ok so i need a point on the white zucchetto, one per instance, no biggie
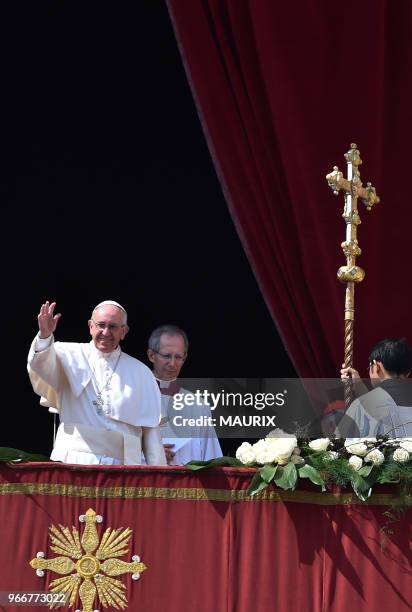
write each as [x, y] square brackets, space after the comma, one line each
[110, 303]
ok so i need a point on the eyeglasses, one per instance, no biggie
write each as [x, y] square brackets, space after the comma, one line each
[371, 364]
[110, 326]
[170, 357]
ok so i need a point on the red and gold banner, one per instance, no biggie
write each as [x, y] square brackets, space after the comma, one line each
[170, 539]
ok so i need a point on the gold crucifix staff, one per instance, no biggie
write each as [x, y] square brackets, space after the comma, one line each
[351, 273]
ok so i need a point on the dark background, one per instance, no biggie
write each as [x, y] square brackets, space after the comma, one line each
[110, 193]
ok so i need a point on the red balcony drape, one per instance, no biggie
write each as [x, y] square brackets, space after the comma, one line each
[282, 89]
[208, 547]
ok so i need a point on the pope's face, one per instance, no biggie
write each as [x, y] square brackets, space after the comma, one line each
[168, 360]
[107, 328]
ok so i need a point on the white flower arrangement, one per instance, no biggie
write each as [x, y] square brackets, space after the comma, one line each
[282, 460]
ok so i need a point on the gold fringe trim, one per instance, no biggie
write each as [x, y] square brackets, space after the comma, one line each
[199, 494]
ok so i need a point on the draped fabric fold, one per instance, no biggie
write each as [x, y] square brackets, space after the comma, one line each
[282, 89]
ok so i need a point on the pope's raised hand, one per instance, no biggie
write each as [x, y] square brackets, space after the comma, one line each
[47, 319]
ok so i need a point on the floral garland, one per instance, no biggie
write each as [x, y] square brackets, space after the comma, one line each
[282, 460]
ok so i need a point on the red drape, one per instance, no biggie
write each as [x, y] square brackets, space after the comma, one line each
[282, 89]
[208, 547]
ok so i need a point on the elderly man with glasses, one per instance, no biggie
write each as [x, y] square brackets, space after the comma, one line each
[109, 403]
[167, 351]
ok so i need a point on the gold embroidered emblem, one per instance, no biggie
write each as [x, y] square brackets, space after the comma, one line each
[89, 564]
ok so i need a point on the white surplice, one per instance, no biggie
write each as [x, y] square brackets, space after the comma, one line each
[202, 445]
[385, 410]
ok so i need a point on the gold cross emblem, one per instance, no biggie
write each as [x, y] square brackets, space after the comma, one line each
[87, 565]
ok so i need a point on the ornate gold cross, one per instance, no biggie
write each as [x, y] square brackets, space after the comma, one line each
[89, 564]
[351, 273]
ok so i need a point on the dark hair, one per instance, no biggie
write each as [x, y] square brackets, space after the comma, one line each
[395, 355]
[170, 330]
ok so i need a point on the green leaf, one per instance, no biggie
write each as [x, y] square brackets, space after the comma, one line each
[219, 462]
[361, 487]
[257, 484]
[365, 470]
[268, 471]
[286, 477]
[14, 454]
[308, 471]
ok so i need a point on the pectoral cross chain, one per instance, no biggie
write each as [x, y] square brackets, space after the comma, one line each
[99, 402]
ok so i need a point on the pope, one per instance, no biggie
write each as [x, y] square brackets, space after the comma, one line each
[108, 402]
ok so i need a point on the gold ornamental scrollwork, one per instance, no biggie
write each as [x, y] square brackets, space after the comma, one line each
[89, 564]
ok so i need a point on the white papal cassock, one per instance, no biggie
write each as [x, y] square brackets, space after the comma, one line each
[69, 376]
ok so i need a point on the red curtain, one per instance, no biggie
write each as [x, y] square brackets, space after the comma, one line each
[208, 547]
[282, 89]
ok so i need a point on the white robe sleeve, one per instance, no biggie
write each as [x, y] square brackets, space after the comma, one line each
[152, 446]
[46, 373]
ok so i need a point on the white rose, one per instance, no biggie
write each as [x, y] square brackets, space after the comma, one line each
[321, 444]
[355, 462]
[282, 448]
[258, 447]
[375, 456]
[406, 443]
[245, 453]
[265, 455]
[262, 452]
[401, 455]
[355, 447]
